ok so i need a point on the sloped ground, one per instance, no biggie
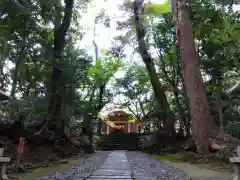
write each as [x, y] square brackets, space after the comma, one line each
[43, 156]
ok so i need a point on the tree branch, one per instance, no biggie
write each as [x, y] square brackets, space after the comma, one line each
[60, 33]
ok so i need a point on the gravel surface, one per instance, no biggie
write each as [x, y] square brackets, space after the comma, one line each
[85, 165]
[142, 163]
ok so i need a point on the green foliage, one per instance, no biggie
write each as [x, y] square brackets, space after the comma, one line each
[136, 88]
[27, 37]
[103, 70]
[157, 9]
[217, 43]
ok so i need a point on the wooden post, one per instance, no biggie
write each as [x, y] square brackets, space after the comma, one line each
[129, 128]
[19, 151]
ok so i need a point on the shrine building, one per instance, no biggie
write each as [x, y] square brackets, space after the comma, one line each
[117, 120]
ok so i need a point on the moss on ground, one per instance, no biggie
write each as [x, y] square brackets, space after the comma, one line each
[210, 162]
[178, 157]
[41, 172]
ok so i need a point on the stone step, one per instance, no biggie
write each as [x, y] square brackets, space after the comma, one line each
[118, 145]
[119, 141]
[122, 135]
[120, 138]
[104, 148]
[113, 149]
[119, 148]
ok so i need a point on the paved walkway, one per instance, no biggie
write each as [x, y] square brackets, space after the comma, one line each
[119, 165]
[116, 167]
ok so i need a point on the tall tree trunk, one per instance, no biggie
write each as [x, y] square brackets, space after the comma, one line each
[18, 63]
[187, 120]
[100, 106]
[149, 63]
[141, 108]
[205, 131]
[219, 104]
[216, 79]
[14, 79]
[180, 109]
[203, 126]
[102, 85]
[55, 100]
[175, 83]
[20, 55]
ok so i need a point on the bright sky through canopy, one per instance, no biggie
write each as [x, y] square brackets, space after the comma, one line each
[105, 35]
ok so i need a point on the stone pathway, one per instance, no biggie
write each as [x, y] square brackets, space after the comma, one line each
[119, 165]
[132, 165]
[115, 167]
[85, 166]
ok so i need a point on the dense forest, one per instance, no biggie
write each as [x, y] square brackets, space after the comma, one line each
[174, 64]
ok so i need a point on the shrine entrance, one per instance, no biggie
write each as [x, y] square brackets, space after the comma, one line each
[116, 121]
[118, 130]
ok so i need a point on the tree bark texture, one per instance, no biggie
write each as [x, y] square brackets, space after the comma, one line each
[149, 63]
[55, 100]
[204, 129]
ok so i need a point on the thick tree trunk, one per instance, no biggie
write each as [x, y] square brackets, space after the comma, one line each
[20, 57]
[181, 112]
[149, 63]
[100, 105]
[175, 83]
[141, 108]
[219, 107]
[102, 85]
[187, 120]
[204, 129]
[55, 101]
[217, 94]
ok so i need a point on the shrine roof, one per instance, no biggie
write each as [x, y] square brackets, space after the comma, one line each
[117, 112]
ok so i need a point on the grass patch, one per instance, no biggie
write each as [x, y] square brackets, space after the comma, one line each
[40, 172]
[208, 162]
[178, 157]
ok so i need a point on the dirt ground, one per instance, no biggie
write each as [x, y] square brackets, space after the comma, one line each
[43, 156]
